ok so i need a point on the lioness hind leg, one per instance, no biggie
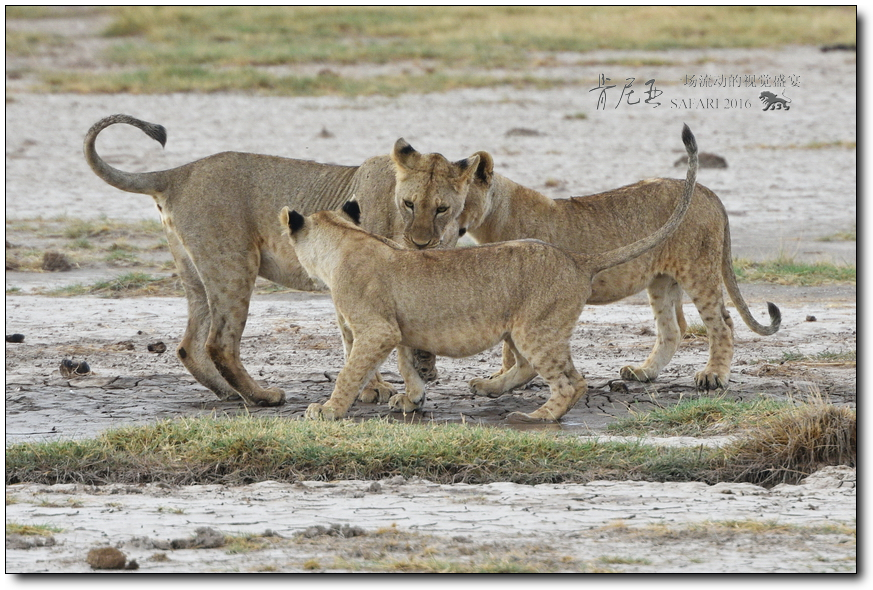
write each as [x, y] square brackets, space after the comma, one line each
[414, 396]
[665, 297]
[368, 352]
[377, 390]
[720, 331]
[228, 278]
[192, 348]
[566, 385]
[519, 373]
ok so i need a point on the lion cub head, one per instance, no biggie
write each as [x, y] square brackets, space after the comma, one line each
[318, 239]
[430, 194]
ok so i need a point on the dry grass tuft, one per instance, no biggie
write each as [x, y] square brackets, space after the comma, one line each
[790, 445]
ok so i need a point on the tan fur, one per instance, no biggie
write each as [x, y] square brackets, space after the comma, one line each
[387, 297]
[696, 258]
[219, 215]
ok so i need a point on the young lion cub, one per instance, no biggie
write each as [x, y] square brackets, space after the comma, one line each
[457, 303]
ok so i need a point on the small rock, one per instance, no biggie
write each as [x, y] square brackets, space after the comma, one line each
[157, 347]
[325, 133]
[704, 160]
[810, 318]
[523, 131]
[205, 538]
[70, 368]
[106, 558]
[56, 261]
[16, 338]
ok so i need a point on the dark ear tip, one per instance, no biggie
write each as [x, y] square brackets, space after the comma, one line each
[353, 210]
[295, 221]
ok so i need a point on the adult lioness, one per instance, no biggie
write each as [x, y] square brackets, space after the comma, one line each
[387, 297]
[696, 258]
[219, 215]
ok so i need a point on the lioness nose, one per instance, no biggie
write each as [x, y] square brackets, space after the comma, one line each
[421, 246]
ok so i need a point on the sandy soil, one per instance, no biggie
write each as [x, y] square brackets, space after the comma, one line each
[782, 199]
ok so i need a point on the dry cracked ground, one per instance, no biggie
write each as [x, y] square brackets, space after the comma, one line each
[781, 199]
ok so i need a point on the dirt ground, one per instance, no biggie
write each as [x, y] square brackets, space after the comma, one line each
[782, 198]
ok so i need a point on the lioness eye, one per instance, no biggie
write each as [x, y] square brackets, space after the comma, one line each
[442, 209]
[409, 204]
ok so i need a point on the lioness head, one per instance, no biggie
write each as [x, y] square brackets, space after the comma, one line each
[430, 194]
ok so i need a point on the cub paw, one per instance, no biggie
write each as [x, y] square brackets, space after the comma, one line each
[485, 387]
[522, 418]
[631, 373]
[319, 412]
[402, 403]
[708, 380]
[377, 391]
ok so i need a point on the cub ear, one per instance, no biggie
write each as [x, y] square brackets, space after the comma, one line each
[403, 154]
[485, 170]
[353, 210]
[292, 219]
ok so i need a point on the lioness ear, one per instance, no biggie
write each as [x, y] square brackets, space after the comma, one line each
[294, 220]
[403, 154]
[353, 210]
[467, 168]
[485, 170]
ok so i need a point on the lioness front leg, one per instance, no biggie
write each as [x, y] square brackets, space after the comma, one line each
[414, 397]
[367, 353]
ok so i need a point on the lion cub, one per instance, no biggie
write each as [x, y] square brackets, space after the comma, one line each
[457, 302]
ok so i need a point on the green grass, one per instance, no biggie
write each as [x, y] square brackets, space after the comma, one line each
[787, 271]
[219, 48]
[842, 236]
[706, 416]
[246, 449]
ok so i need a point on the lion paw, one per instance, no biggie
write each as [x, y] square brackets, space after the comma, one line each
[631, 373]
[380, 392]
[709, 380]
[320, 412]
[271, 396]
[522, 418]
[484, 387]
[402, 403]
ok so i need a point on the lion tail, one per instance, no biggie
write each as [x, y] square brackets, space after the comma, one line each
[149, 183]
[733, 289]
[621, 255]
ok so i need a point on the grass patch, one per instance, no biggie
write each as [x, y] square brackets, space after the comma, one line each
[43, 530]
[131, 284]
[213, 48]
[169, 79]
[787, 271]
[246, 449]
[705, 416]
[813, 145]
[843, 236]
[826, 357]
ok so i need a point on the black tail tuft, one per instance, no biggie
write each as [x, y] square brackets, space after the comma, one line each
[775, 314]
[688, 139]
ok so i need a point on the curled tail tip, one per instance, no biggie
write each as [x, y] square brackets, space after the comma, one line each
[158, 133]
[688, 139]
[775, 315]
